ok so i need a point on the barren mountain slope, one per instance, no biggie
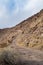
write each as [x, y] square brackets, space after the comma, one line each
[19, 45]
[28, 33]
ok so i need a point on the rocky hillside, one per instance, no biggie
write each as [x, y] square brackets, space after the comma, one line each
[23, 44]
[28, 33]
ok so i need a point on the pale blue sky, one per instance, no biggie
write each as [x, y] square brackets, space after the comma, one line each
[13, 12]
